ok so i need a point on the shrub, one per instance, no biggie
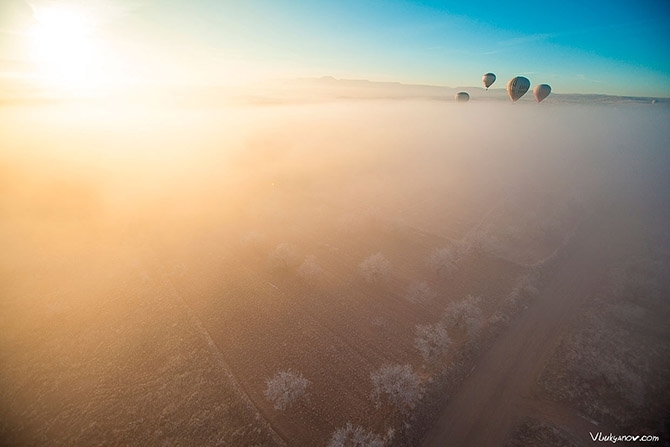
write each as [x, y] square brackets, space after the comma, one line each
[285, 388]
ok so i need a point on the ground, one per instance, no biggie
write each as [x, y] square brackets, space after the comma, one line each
[153, 311]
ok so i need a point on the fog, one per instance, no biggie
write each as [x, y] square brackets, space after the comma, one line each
[97, 165]
[97, 199]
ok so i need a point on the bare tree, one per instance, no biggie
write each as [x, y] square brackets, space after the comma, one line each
[309, 269]
[442, 262]
[357, 436]
[432, 341]
[419, 292]
[285, 388]
[399, 384]
[375, 269]
[465, 315]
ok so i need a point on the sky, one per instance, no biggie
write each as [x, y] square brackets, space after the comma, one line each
[608, 47]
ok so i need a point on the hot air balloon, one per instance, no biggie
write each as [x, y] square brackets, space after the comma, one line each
[462, 97]
[517, 87]
[541, 91]
[488, 79]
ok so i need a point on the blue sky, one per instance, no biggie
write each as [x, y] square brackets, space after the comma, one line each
[612, 47]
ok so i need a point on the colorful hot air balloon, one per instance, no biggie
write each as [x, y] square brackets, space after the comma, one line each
[488, 79]
[462, 97]
[517, 87]
[541, 91]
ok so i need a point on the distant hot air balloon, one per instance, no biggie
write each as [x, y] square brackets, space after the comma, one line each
[488, 79]
[462, 97]
[541, 91]
[517, 87]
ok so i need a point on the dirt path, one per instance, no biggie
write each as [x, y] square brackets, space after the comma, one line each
[215, 352]
[499, 393]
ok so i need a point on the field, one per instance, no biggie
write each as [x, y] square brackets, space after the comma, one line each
[426, 272]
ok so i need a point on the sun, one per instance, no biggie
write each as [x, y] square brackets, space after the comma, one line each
[65, 48]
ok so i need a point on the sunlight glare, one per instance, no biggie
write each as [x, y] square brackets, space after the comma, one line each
[65, 48]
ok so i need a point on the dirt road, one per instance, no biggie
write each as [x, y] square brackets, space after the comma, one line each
[499, 394]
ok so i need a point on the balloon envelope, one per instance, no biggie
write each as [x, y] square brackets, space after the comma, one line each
[541, 92]
[488, 79]
[517, 87]
[462, 97]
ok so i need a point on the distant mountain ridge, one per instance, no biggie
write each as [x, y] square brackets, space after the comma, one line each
[300, 91]
[331, 88]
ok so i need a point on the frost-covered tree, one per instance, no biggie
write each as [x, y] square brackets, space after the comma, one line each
[357, 436]
[375, 269]
[398, 384]
[309, 269]
[284, 256]
[419, 292]
[465, 315]
[432, 341]
[285, 388]
[442, 262]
